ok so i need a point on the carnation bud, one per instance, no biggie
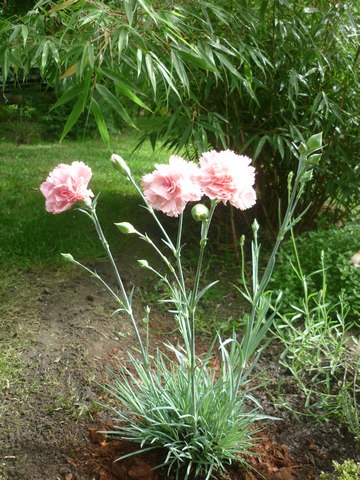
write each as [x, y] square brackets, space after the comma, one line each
[126, 228]
[120, 164]
[200, 212]
[143, 263]
[255, 226]
[68, 257]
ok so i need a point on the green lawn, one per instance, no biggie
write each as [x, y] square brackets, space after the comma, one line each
[29, 235]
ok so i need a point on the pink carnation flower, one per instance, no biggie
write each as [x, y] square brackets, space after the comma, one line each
[66, 185]
[227, 177]
[171, 186]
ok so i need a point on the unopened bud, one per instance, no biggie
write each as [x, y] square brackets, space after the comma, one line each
[126, 228]
[120, 164]
[143, 263]
[68, 257]
[242, 240]
[200, 212]
[255, 226]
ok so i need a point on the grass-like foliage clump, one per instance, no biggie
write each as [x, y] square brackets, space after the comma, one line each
[159, 405]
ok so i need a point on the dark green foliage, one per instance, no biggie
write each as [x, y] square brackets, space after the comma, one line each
[339, 245]
[15, 7]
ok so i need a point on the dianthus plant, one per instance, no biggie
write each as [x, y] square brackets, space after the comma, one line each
[173, 399]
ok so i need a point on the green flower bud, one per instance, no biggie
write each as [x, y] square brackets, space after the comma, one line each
[255, 226]
[68, 257]
[126, 228]
[143, 263]
[120, 164]
[200, 212]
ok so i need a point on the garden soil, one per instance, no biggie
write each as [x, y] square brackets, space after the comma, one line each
[69, 341]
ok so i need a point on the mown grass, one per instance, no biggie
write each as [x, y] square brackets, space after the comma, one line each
[30, 235]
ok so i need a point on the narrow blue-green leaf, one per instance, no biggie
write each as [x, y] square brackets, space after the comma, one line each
[100, 121]
[39, 50]
[115, 104]
[139, 56]
[84, 60]
[314, 142]
[91, 55]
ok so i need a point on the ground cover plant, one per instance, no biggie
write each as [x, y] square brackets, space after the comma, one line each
[173, 400]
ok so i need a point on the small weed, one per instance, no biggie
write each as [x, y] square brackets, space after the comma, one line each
[349, 470]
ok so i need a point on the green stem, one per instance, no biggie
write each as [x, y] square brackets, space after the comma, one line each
[178, 256]
[192, 308]
[125, 298]
[259, 288]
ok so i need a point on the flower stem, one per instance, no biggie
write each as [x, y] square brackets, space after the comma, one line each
[205, 225]
[125, 298]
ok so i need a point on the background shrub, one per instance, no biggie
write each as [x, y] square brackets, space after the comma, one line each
[339, 245]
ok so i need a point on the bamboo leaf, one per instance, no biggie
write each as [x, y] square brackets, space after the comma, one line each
[69, 95]
[70, 71]
[151, 72]
[115, 104]
[100, 121]
[259, 146]
[139, 56]
[62, 6]
[128, 5]
[122, 40]
[125, 87]
[44, 56]
[225, 62]
[54, 52]
[195, 60]
[166, 76]
[73, 118]
[180, 69]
